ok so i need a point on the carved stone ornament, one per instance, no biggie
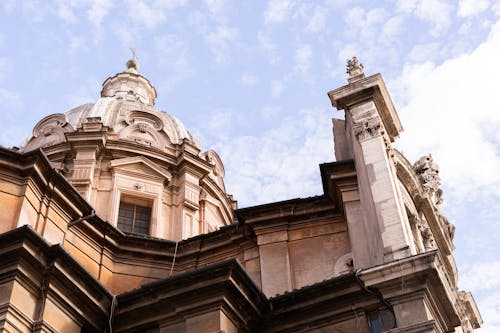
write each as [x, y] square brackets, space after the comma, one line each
[428, 173]
[447, 225]
[49, 131]
[427, 237]
[354, 68]
[369, 128]
[143, 128]
[389, 150]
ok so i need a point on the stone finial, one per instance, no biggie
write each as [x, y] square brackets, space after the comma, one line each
[428, 173]
[133, 64]
[355, 69]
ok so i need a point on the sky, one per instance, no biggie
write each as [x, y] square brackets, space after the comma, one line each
[249, 79]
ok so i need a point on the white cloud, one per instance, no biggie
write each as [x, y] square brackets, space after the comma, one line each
[393, 27]
[217, 9]
[468, 8]
[285, 159]
[219, 42]
[482, 276]
[5, 68]
[490, 308]
[65, 12]
[363, 24]
[98, 10]
[269, 112]
[303, 56]
[143, 14]
[10, 99]
[455, 104]
[277, 88]
[268, 47]
[76, 43]
[35, 11]
[248, 79]
[496, 8]
[8, 5]
[219, 123]
[436, 12]
[278, 11]
[175, 59]
[316, 21]
[126, 34]
[347, 52]
[424, 52]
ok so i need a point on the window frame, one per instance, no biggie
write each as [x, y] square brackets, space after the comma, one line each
[134, 204]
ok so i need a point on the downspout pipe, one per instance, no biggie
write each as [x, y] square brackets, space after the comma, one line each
[375, 292]
[81, 219]
[78, 220]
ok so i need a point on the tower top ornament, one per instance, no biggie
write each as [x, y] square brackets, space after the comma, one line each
[133, 64]
[355, 69]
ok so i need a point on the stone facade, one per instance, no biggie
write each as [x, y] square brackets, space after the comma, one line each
[115, 220]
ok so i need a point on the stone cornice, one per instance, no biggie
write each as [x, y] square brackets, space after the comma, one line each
[369, 88]
[283, 212]
[425, 272]
[340, 181]
[224, 285]
[33, 259]
[34, 166]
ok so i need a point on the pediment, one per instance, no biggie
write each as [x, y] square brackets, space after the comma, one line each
[140, 165]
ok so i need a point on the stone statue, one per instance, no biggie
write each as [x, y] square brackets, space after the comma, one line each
[427, 237]
[447, 225]
[428, 174]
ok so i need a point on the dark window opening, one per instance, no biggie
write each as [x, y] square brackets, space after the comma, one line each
[134, 217]
[380, 321]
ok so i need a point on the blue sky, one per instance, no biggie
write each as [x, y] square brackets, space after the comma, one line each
[249, 79]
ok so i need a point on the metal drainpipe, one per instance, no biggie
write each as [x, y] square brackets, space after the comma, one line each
[78, 220]
[375, 292]
[111, 313]
[173, 260]
[43, 297]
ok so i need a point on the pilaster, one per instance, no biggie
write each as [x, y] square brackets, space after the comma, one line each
[371, 125]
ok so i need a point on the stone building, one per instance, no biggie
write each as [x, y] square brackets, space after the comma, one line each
[114, 219]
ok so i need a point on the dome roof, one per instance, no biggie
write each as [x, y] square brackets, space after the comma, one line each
[116, 114]
[126, 108]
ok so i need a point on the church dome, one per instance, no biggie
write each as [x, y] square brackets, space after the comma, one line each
[138, 166]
